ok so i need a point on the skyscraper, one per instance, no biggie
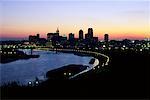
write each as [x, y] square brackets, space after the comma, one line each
[71, 39]
[90, 33]
[71, 36]
[80, 34]
[106, 38]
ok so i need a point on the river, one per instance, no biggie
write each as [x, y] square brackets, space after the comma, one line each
[27, 70]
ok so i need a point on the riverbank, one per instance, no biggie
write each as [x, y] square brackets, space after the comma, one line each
[10, 58]
[10, 55]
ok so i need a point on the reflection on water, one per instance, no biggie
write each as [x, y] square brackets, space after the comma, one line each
[27, 70]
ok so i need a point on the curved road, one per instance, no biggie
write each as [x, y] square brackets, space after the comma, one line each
[96, 62]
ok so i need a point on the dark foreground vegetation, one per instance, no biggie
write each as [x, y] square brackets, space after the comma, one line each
[65, 72]
[126, 76]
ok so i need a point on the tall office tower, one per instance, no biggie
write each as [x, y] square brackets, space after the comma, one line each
[90, 33]
[80, 34]
[106, 38]
[71, 36]
[38, 36]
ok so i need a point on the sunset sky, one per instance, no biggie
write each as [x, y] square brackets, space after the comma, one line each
[119, 18]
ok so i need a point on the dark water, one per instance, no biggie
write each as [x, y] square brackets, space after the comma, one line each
[27, 70]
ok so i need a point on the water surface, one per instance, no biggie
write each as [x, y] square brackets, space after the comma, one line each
[27, 70]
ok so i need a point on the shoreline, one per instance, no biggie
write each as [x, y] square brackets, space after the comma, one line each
[78, 54]
[48, 70]
[95, 64]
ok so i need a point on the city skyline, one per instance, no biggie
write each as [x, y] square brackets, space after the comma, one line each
[119, 19]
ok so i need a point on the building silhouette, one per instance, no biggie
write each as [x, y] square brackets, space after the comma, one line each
[71, 36]
[90, 33]
[106, 38]
[81, 34]
[50, 36]
[33, 38]
[95, 40]
[86, 36]
[53, 38]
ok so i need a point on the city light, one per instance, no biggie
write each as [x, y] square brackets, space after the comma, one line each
[69, 74]
[104, 46]
[65, 73]
[36, 82]
[30, 83]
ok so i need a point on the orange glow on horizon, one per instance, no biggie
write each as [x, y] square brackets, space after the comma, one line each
[23, 31]
[100, 35]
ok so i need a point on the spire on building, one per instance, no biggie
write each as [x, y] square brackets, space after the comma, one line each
[57, 31]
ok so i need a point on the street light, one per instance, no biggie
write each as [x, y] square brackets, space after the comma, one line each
[36, 82]
[104, 46]
[69, 74]
[30, 83]
[64, 73]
